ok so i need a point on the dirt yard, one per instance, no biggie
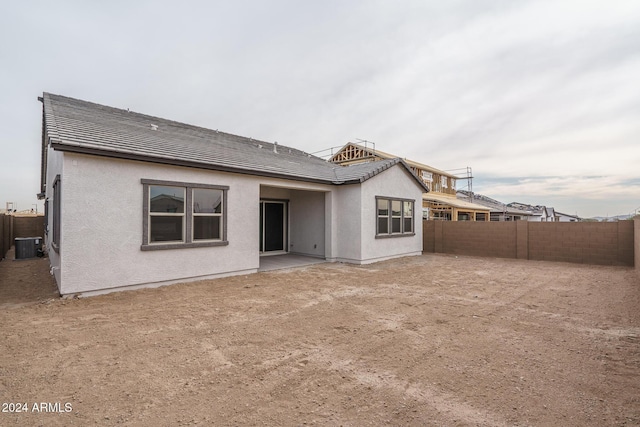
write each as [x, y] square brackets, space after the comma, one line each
[433, 340]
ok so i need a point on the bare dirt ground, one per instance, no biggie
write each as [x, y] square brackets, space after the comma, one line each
[430, 340]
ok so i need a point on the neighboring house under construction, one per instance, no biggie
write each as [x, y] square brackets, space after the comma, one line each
[440, 203]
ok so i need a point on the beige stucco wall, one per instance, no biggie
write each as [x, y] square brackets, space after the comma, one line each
[102, 226]
[347, 223]
[102, 223]
[307, 223]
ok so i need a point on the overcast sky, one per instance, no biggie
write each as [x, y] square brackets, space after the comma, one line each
[540, 98]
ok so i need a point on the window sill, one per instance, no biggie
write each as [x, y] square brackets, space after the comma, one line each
[162, 246]
[390, 236]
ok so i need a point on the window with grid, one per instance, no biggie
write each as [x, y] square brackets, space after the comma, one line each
[394, 217]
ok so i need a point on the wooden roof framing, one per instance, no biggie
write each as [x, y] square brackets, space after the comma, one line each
[355, 153]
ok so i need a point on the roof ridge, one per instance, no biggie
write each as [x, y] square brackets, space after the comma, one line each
[177, 123]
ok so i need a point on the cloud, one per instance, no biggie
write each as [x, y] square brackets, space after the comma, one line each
[586, 195]
[587, 187]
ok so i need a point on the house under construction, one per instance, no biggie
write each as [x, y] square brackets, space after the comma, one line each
[440, 203]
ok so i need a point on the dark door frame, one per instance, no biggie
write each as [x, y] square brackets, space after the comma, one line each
[264, 230]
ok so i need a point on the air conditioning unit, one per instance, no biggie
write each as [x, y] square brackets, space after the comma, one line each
[28, 247]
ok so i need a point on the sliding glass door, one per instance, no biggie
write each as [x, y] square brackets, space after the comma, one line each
[273, 226]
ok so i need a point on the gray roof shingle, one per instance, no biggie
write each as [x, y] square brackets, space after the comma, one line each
[85, 127]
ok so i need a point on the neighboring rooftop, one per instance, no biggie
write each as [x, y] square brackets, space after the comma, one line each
[79, 126]
[526, 207]
[514, 208]
[371, 153]
[493, 204]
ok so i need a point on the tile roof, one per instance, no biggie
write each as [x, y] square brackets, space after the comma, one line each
[85, 127]
[492, 204]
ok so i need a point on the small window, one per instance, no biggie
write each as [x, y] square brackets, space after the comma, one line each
[46, 217]
[207, 214]
[179, 215]
[166, 214]
[383, 216]
[57, 187]
[394, 217]
[407, 217]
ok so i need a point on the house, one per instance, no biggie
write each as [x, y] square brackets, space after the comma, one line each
[134, 200]
[562, 217]
[549, 214]
[499, 211]
[440, 203]
[543, 214]
[538, 213]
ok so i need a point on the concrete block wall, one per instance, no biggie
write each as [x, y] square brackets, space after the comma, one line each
[3, 251]
[522, 239]
[6, 226]
[609, 243]
[590, 243]
[429, 236]
[492, 239]
[626, 241]
[28, 226]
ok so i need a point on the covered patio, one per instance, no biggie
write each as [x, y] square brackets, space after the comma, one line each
[279, 262]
